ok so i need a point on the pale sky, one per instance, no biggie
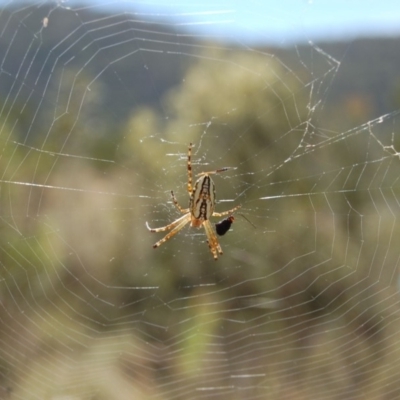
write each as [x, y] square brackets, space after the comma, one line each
[278, 21]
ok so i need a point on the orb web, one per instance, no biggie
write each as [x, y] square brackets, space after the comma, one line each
[98, 105]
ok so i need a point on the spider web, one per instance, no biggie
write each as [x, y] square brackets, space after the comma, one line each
[98, 106]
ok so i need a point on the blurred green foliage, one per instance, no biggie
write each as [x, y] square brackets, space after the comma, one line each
[80, 280]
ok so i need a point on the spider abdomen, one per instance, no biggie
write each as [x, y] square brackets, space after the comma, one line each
[202, 200]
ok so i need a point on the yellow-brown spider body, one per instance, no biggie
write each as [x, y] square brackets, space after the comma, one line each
[202, 200]
[201, 208]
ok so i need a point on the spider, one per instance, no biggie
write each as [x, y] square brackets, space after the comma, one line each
[201, 208]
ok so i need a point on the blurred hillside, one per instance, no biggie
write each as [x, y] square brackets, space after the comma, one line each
[97, 114]
[366, 84]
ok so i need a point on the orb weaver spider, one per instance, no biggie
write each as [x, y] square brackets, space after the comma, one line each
[201, 208]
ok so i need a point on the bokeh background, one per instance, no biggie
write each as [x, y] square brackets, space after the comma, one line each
[98, 103]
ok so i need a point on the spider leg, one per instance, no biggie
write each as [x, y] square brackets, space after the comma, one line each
[189, 168]
[167, 227]
[177, 205]
[217, 171]
[221, 214]
[213, 244]
[179, 224]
